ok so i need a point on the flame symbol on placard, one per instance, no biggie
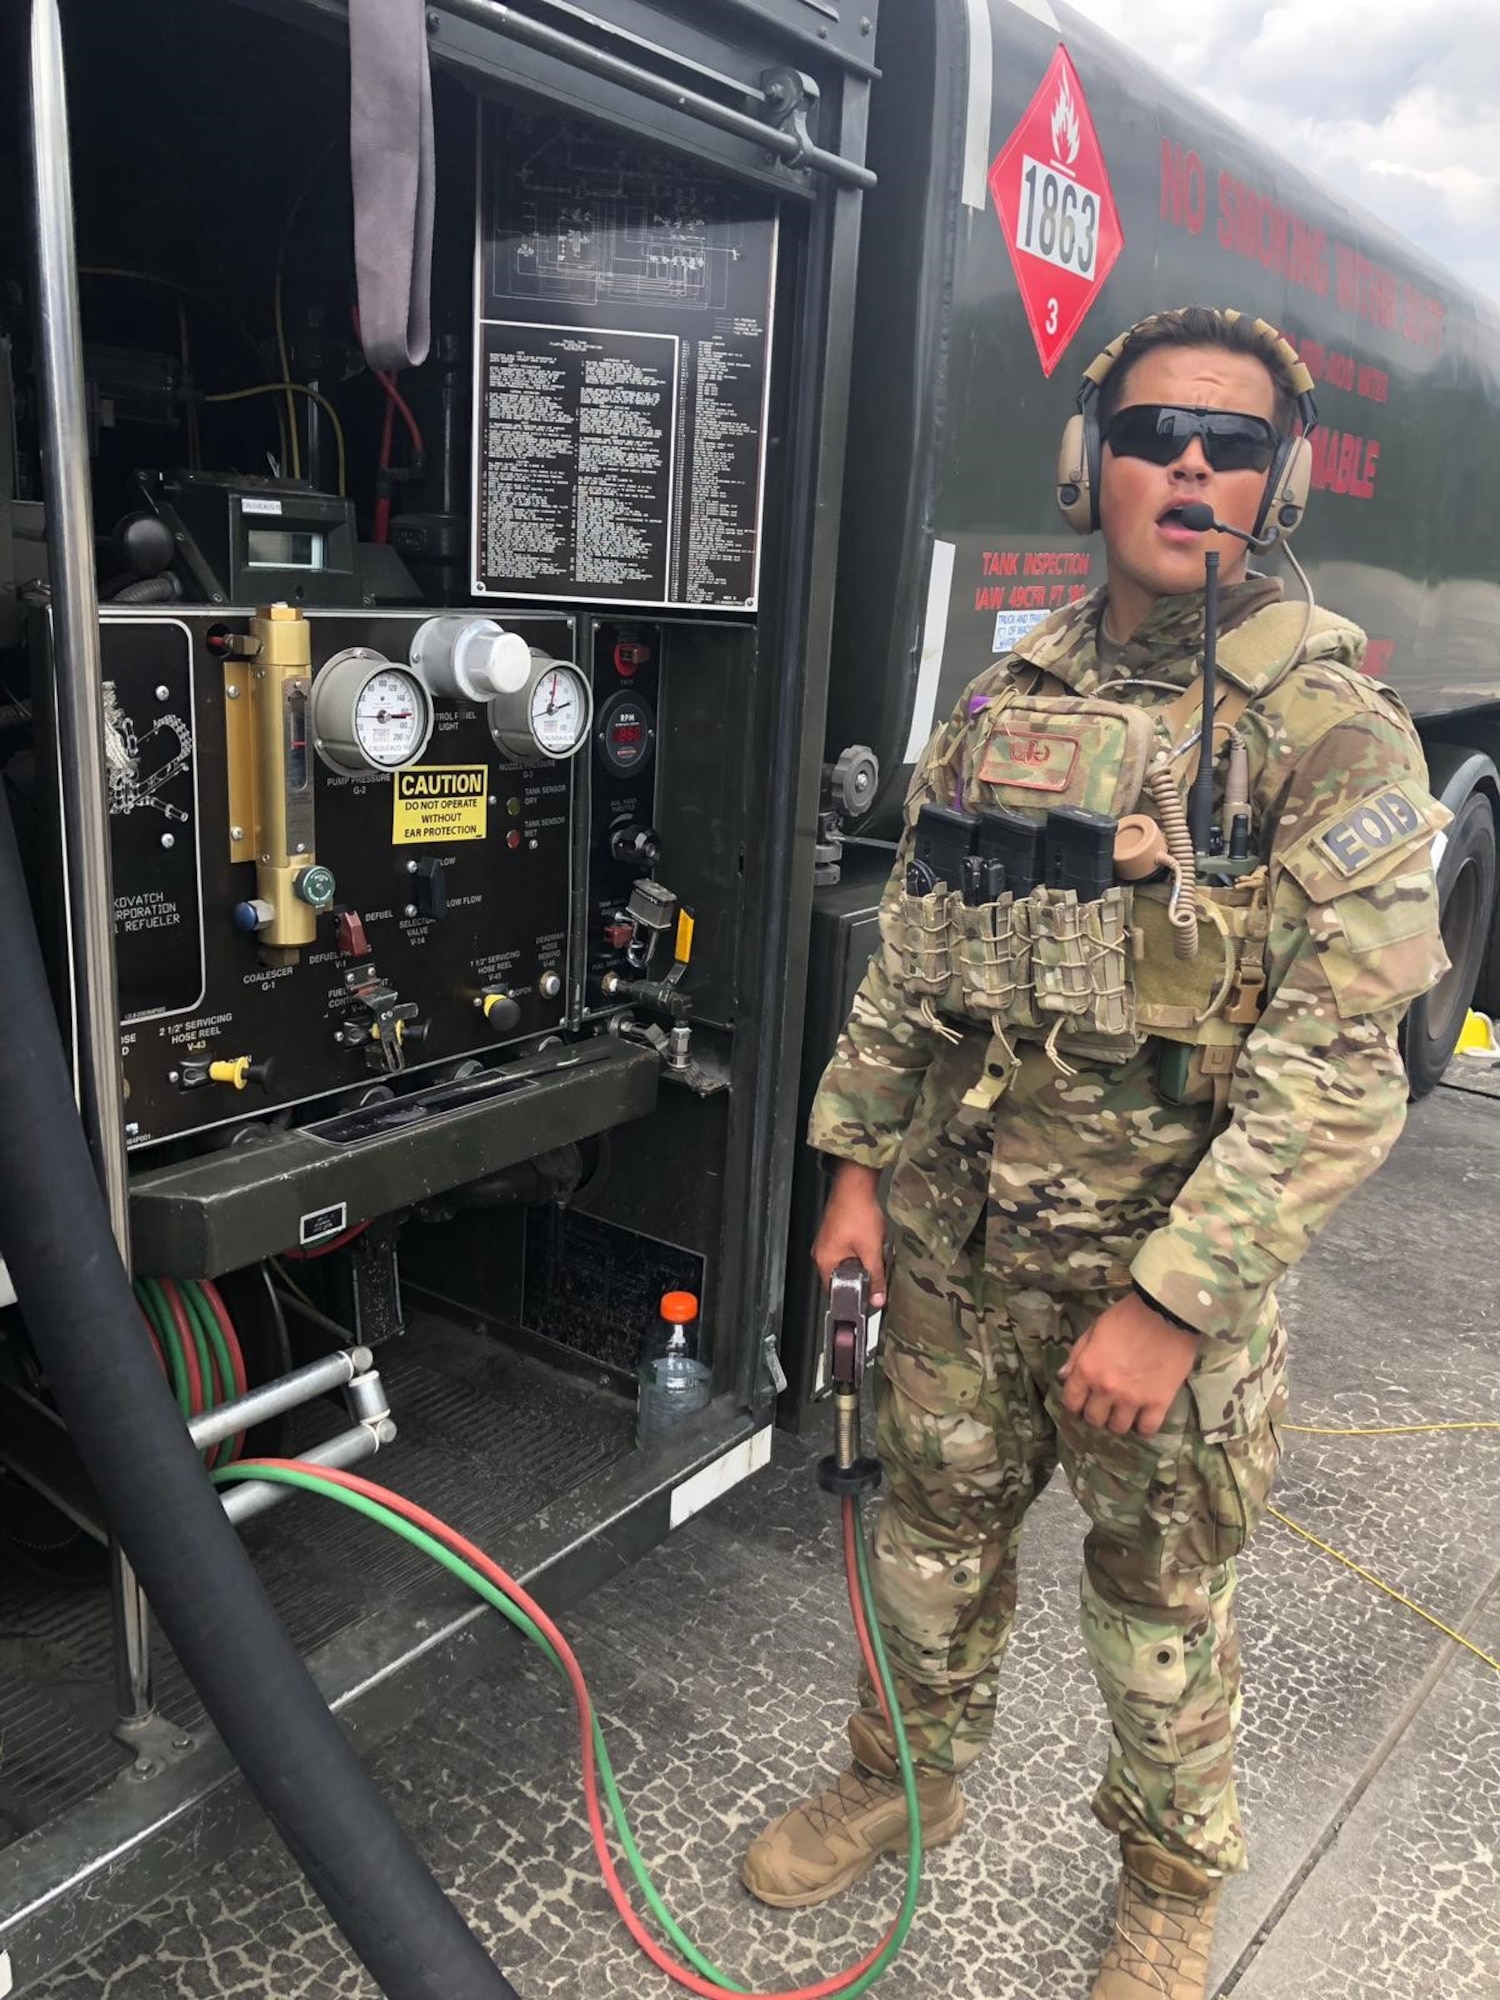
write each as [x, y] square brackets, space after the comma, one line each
[1065, 133]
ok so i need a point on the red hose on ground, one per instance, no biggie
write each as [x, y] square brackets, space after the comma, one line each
[857, 1605]
[583, 1702]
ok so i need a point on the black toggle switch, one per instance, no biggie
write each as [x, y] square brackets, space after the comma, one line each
[429, 889]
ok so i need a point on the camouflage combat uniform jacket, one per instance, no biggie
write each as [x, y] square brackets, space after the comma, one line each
[1204, 1215]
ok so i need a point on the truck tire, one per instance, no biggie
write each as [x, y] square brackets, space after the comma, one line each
[1466, 898]
[1487, 992]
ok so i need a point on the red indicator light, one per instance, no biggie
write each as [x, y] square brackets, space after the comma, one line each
[513, 839]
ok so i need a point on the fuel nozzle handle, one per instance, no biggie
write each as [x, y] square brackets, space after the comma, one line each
[847, 1325]
[847, 1470]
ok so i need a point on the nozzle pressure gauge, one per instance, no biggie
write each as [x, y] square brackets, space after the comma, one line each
[368, 715]
[547, 719]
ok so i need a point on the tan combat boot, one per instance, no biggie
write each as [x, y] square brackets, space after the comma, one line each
[820, 1847]
[1164, 1924]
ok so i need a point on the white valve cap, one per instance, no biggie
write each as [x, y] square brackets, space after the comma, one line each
[469, 659]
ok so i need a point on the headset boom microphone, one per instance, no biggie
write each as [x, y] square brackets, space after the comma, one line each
[1199, 516]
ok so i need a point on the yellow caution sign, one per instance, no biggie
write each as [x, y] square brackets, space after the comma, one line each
[437, 803]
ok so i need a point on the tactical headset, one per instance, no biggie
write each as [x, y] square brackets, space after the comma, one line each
[1288, 482]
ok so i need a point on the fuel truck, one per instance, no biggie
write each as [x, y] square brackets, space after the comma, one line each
[492, 500]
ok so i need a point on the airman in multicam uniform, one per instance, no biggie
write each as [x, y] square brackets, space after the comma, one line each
[1097, 1178]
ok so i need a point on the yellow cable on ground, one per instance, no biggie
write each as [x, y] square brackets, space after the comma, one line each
[1384, 1430]
[294, 389]
[1389, 1589]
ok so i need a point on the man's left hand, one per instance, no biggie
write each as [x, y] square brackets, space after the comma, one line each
[1125, 1371]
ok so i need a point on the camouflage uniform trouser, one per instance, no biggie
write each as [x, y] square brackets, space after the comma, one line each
[971, 1425]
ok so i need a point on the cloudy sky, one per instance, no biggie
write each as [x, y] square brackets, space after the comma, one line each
[1396, 103]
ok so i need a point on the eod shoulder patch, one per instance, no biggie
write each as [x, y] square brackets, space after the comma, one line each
[1357, 846]
[1377, 828]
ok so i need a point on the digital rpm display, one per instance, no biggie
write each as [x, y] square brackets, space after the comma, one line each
[626, 734]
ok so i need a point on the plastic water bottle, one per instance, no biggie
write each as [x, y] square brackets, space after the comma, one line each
[674, 1383]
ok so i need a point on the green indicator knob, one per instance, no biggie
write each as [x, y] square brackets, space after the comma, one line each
[316, 885]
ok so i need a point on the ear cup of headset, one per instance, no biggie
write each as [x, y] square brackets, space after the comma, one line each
[1075, 486]
[1287, 489]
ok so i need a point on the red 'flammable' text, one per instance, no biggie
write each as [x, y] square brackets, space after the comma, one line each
[1254, 225]
[1345, 463]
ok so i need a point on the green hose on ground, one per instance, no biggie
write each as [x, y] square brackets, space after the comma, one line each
[309, 1480]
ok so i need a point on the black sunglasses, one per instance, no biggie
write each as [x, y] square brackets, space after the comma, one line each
[1161, 432]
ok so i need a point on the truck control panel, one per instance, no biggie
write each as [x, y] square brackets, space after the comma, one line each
[343, 849]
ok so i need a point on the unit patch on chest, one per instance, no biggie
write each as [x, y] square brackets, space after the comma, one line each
[1035, 763]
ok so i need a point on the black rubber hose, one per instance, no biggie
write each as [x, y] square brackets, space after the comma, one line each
[148, 590]
[82, 1318]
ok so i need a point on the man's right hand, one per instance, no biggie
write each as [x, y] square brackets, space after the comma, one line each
[853, 1226]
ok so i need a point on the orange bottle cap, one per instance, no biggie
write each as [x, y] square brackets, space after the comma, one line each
[677, 1308]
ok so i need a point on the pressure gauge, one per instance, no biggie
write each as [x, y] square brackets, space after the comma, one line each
[369, 715]
[548, 718]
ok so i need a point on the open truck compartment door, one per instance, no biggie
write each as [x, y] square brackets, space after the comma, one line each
[460, 730]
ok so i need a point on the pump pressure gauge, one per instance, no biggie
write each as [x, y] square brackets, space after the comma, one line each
[547, 719]
[369, 715]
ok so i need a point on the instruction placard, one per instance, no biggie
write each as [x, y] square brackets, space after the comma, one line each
[437, 803]
[622, 371]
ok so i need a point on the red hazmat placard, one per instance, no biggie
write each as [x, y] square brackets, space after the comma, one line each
[1057, 210]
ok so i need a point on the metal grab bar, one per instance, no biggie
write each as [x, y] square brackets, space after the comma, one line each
[793, 147]
[78, 696]
[287, 1392]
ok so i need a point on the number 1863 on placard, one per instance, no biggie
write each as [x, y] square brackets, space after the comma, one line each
[1057, 218]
